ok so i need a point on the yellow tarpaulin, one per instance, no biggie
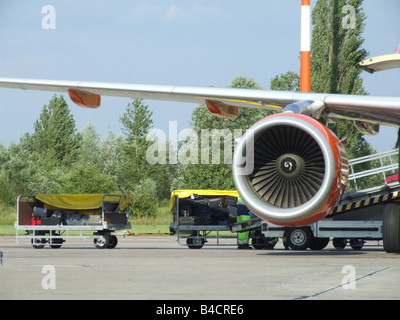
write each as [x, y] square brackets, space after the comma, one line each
[78, 201]
[208, 193]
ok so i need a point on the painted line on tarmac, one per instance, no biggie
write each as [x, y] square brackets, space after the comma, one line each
[340, 286]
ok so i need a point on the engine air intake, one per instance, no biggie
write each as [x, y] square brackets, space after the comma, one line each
[289, 167]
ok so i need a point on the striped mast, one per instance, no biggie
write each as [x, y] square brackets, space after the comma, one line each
[305, 54]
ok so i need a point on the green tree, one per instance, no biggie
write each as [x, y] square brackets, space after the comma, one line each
[84, 178]
[137, 177]
[90, 146]
[335, 52]
[136, 123]
[110, 154]
[143, 200]
[21, 165]
[7, 191]
[337, 48]
[55, 138]
[215, 142]
[289, 81]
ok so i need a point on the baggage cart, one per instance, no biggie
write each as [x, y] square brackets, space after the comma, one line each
[57, 218]
[199, 215]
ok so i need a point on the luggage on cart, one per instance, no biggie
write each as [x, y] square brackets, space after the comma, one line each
[199, 210]
[49, 218]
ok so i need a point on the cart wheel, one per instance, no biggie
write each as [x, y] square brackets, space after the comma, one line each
[339, 243]
[356, 244]
[113, 242]
[38, 243]
[319, 243]
[56, 243]
[195, 243]
[102, 241]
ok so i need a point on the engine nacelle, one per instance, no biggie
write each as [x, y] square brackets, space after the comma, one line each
[290, 169]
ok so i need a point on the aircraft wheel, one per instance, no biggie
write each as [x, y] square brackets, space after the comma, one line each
[299, 238]
[391, 228]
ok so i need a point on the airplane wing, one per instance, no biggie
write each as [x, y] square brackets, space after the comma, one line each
[288, 168]
[224, 102]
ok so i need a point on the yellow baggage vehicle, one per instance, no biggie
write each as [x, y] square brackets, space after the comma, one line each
[200, 214]
[57, 218]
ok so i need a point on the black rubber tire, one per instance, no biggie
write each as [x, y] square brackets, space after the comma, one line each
[195, 243]
[56, 243]
[391, 228]
[339, 243]
[356, 244]
[299, 238]
[38, 243]
[113, 242]
[319, 243]
[102, 242]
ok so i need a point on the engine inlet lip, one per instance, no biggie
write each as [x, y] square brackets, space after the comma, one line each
[242, 182]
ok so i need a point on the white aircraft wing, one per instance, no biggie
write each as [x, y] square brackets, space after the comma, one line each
[223, 101]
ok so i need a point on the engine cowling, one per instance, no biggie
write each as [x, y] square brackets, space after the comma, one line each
[290, 169]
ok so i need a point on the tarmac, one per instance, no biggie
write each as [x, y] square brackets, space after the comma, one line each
[159, 268]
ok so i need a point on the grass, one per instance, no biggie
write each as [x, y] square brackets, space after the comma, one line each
[157, 224]
[8, 215]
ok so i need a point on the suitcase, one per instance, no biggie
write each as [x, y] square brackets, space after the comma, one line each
[230, 201]
[201, 210]
[185, 207]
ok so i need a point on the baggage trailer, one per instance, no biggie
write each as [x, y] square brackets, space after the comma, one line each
[197, 213]
[200, 214]
[57, 218]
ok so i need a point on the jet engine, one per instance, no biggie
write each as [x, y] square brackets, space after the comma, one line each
[290, 169]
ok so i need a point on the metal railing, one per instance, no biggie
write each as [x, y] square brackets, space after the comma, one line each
[379, 163]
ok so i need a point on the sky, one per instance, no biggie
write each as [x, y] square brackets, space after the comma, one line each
[172, 42]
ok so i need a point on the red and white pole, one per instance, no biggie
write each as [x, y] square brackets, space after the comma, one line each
[305, 54]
